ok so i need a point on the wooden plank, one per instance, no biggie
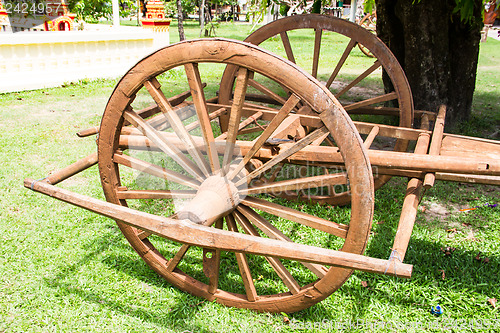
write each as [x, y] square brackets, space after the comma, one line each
[72, 169]
[330, 156]
[155, 194]
[410, 206]
[469, 147]
[203, 236]
[436, 142]
[387, 111]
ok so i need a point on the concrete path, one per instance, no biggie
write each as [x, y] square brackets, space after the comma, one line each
[494, 32]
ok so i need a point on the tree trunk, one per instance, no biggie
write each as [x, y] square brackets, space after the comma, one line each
[180, 19]
[437, 50]
[202, 16]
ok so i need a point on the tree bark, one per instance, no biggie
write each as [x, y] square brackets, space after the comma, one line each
[180, 19]
[437, 50]
[202, 16]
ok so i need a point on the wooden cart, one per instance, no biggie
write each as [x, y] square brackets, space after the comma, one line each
[207, 148]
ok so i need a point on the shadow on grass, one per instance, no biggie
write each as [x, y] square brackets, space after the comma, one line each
[436, 279]
[185, 306]
[463, 275]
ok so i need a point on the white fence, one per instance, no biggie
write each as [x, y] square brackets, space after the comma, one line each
[49, 59]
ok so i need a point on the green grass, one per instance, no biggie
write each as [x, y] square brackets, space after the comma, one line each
[65, 269]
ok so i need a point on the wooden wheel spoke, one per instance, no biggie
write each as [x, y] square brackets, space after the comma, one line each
[297, 184]
[169, 149]
[211, 116]
[155, 170]
[252, 119]
[286, 142]
[317, 46]
[371, 136]
[275, 263]
[142, 234]
[370, 70]
[269, 130]
[287, 46]
[320, 140]
[235, 115]
[266, 91]
[196, 86]
[273, 232]
[379, 99]
[155, 194]
[343, 58]
[285, 154]
[183, 111]
[276, 172]
[211, 263]
[154, 89]
[172, 263]
[243, 265]
[291, 214]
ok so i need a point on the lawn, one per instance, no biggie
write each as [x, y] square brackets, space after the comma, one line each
[66, 269]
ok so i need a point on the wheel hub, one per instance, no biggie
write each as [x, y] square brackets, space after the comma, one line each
[216, 197]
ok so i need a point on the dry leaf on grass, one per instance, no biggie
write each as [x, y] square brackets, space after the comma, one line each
[448, 250]
[483, 260]
[493, 302]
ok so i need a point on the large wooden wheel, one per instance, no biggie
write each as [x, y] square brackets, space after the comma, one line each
[334, 46]
[369, 22]
[172, 159]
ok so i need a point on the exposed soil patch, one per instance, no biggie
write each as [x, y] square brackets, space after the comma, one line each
[434, 210]
[356, 92]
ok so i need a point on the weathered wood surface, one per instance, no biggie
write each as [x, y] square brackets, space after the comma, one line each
[488, 165]
[233, 114]
[193, 234]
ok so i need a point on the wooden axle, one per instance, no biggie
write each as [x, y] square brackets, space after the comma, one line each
[190, 233]
[330, 155]
[71, 170]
